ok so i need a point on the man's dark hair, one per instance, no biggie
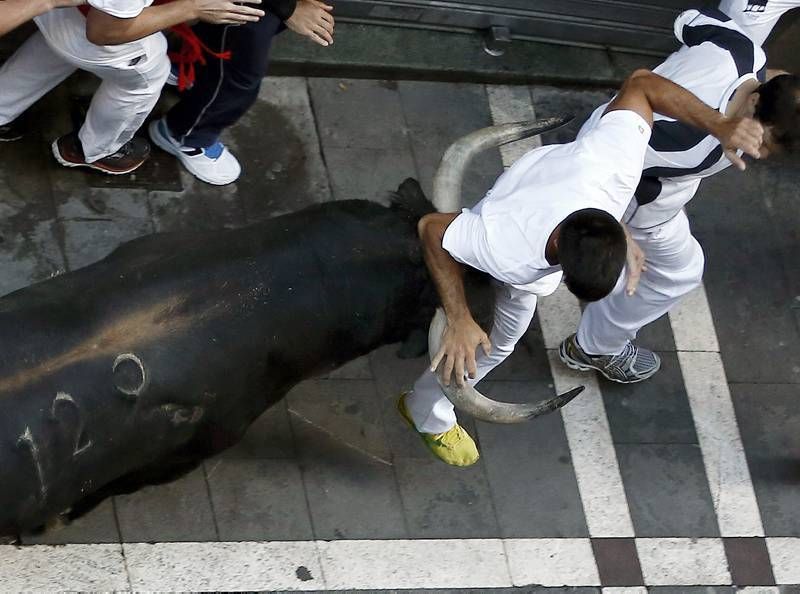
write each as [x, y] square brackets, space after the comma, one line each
[591, 251]
[779, 107]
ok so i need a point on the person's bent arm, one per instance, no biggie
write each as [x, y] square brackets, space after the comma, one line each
[14, 13]
[105, 29]
[463, 335]
[645, 93]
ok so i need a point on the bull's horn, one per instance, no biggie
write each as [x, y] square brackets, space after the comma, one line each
[470, 401]
[447, 183]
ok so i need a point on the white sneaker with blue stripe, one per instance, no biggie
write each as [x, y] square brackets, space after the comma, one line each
[214, 164]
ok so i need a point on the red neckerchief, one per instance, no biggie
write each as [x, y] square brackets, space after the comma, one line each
[191, 52]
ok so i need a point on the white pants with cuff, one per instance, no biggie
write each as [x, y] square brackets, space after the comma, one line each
[674, 268]
[429, 408]
[129, 90]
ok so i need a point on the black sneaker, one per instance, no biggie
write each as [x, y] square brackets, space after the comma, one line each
[633, 364]
[10, 132]
[68, 151]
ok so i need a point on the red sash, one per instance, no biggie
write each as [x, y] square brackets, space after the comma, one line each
[191, 52]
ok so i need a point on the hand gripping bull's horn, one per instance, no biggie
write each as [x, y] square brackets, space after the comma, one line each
[447, 183]
[447, 198]
[472, 402]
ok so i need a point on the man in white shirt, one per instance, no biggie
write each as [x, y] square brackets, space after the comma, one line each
[722, 63]
[557, 209]
[133, 73]
[14, 13]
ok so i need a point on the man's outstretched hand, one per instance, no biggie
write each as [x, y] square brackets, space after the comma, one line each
[226, 12]
[313, 19]
[743, 134]
[459, 343]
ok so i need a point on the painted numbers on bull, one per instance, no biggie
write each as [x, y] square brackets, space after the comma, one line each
[59, 411]
[66, 413]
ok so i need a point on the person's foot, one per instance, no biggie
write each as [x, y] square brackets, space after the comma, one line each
[69, 152]
[633, 364]
[454, 447]
[214, 164]
[10, 132]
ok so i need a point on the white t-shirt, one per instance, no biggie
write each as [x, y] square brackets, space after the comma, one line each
[716, 59]
[505, 235]
[65, 31]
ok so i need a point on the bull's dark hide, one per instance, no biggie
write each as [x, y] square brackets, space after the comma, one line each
[134, 369]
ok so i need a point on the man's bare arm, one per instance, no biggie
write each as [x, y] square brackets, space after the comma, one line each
[645, 93]
[463, 335]
[14, 13]
[105, 29]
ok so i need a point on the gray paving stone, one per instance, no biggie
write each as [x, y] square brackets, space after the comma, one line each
[277, 144]
[438, 114]
[653, 411]
[258, 500]
[96, 221]
[201, 207]
[528, 361]
[768, 417]
[558, 101]
[442, 501]
[358, 369]
[358, 114]
[96, 527]
[346, 410]
[269, 437]
[350, 495]
[667, 490]
[533, 484]
[29, 234]
[367, 174]
[176, 512]
[751, 272]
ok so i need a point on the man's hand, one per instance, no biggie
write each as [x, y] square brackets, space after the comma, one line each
[225, 12]
[459, 343]
[740, 134]
[635, 263]
[313, 19]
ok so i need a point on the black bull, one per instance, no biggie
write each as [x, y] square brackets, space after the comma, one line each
[133, 369]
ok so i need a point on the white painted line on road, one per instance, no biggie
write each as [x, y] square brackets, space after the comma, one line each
[785, 555]
[721, 445]
[406, 564]
[57, 568]
[714, 418]
[692, 324]
[683, 561]
[625, 590]
[370, 565]
[594, 458]
[552, 562]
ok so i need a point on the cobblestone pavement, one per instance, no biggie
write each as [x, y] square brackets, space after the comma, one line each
[685, 483]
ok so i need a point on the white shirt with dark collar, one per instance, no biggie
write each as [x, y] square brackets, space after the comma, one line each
[506, 233]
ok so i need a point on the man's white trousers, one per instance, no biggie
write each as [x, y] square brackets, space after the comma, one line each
[129, 90]
[429, 408]
[675, 264]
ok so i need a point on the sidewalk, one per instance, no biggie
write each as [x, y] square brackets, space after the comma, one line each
[631, 486]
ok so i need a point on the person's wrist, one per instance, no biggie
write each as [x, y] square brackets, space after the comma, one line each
[717, 125]
[191, 8]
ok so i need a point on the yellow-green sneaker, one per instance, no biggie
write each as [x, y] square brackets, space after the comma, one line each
[454, 446]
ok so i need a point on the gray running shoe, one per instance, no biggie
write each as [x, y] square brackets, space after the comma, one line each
[633, 364]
